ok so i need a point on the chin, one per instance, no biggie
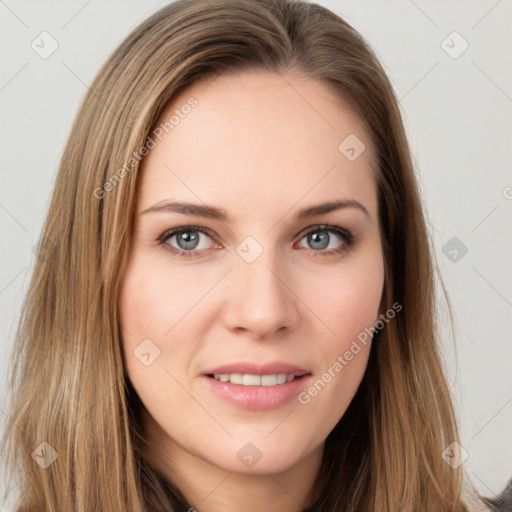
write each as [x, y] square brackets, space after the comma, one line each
[259, 454]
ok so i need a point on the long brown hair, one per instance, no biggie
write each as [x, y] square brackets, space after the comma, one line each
[68, 382]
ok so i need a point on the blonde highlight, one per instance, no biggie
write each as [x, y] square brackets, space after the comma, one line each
[68, 383]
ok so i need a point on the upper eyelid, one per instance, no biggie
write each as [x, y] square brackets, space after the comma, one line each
[323, 227]
[305, 231]
[166, 235]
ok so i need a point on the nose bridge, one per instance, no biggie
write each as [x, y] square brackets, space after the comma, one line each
[260, 300]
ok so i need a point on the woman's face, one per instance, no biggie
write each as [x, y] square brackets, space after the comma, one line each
[254, 273]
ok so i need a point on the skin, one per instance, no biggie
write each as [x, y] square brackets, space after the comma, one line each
[261, 146]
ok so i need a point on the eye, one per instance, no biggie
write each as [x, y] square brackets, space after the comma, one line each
[192, 241]
[185, 241]
[323, 237]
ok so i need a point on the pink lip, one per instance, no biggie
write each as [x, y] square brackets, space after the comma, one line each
[257, 397]
[258, 369]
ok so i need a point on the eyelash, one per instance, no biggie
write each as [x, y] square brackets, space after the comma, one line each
[348, 240]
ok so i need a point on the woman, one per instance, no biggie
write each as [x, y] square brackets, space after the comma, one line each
[233, 303]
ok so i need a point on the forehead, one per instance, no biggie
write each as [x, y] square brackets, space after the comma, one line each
[254, 137]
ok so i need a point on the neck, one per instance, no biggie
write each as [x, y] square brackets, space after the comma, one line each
[210, 488]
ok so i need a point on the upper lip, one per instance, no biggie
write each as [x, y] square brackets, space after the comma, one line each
[251, 368]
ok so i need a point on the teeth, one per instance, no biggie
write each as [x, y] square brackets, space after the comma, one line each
[255, 380]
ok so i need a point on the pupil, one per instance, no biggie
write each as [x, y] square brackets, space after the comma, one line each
[319, 241]
[190, 241]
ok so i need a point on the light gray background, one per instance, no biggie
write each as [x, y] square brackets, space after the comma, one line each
[458, 117]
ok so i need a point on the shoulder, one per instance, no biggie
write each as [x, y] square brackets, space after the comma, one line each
[476, 503]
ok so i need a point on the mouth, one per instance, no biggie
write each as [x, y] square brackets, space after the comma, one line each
[247, 379]
[259, 388]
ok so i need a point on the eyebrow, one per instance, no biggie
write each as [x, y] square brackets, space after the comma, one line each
[212, 212]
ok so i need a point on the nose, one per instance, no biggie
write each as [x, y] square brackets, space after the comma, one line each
[261, 302]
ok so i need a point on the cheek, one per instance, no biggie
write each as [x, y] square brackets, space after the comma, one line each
[145, 315]
[349, 307]
[141, 311]
[350, 299]
[158, 305]
[153, 300]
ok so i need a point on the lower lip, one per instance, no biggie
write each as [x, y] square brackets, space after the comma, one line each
[258, 397]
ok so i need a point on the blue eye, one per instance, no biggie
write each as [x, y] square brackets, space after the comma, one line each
[188, 241]
[320, 238]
